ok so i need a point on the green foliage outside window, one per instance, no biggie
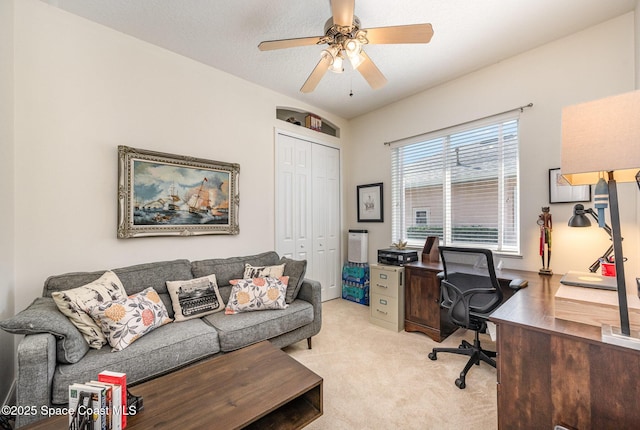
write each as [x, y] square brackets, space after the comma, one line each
[459, 234]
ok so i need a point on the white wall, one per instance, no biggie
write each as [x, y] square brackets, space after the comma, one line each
[591, 64]
[81, 90]
[7, 260]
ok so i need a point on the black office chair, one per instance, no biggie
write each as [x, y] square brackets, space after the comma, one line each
[470, 291]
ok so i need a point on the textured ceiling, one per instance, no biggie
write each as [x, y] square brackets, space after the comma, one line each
[468, 35]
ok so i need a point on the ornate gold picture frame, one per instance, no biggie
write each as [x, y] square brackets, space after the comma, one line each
[162, 194]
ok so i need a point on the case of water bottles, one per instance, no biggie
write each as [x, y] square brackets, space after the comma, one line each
[355, 282]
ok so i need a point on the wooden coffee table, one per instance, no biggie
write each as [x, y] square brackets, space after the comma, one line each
[257, 387]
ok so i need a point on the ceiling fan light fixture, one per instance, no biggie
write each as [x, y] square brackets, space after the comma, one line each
[361, 37]
[337, 66]
[337, 59]
[352, 46]
[356, 60]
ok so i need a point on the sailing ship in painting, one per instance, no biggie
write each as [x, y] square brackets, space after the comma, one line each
[203, 202]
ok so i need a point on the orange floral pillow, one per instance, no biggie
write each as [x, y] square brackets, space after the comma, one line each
[257, 294]
[125, 321]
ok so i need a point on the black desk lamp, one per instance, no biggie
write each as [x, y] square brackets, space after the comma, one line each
[580, 219]
[600, 140]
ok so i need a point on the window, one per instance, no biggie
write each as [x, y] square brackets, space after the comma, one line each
[468, 178]
[421, 216]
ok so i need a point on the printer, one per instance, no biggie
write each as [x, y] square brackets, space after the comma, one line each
[397, 257]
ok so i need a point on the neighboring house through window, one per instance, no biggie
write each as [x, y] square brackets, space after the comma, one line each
[421, 216]
[460, 184]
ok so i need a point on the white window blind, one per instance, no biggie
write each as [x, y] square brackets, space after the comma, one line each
[466, 178]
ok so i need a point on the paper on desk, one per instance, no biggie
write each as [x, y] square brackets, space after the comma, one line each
[491, 328]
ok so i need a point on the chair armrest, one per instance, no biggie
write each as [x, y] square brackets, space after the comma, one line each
[467, 295]
[518, 283]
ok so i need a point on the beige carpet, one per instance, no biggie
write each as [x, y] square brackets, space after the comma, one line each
[379, 379]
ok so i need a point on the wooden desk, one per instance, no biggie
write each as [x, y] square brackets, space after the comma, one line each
[552, 371]
[423, 312]
[549, 371]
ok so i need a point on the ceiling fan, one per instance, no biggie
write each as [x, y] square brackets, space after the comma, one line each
[346, 39]
[460, 164]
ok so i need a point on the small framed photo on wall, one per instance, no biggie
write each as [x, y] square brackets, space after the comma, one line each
[561, 191]
[370, 205]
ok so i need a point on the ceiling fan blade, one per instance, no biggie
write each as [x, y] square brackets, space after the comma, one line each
[342, 11]
[371, 73]
[415, 33]
[314, 78]
[269, 45]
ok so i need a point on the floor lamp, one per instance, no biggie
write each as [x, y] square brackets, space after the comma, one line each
[601, 139]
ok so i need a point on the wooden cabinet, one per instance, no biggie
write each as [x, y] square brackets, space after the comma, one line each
[386, 292]
[422, 311]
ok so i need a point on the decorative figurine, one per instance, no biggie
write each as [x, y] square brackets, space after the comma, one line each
[546, 226]
[400, 244]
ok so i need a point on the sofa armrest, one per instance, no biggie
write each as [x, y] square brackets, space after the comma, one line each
[311, 291]
[36, 364]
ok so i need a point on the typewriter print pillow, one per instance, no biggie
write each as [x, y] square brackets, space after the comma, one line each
[195, 298]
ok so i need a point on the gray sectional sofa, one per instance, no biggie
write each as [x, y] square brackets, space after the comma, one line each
[51, 359]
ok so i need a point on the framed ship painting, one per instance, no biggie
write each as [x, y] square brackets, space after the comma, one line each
[162, 194]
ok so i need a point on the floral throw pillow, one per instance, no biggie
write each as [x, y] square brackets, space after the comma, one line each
[75, 304]
[125, 321]
[257, 294]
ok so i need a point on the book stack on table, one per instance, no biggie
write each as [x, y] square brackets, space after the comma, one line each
[100, 404]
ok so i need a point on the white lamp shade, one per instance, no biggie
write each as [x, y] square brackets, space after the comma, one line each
[601, 136]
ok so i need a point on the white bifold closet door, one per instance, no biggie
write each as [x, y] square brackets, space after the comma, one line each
[308, 208]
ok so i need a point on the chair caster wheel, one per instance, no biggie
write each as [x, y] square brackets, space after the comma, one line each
[460, 383]
[432, 356]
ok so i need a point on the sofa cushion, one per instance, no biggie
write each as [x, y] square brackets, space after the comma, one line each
[155, 275]
[257, 294]
[195, 298]
[227, 269]
[43, 316]
[240, 330]
[295, 270]
[68, 281]
[76, 302]
[134, 278]
[164, 349]
[127, 320]
[142, 276]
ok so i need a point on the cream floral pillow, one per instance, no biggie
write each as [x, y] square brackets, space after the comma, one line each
[257, 294]
[125, 321]
[75, 304]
